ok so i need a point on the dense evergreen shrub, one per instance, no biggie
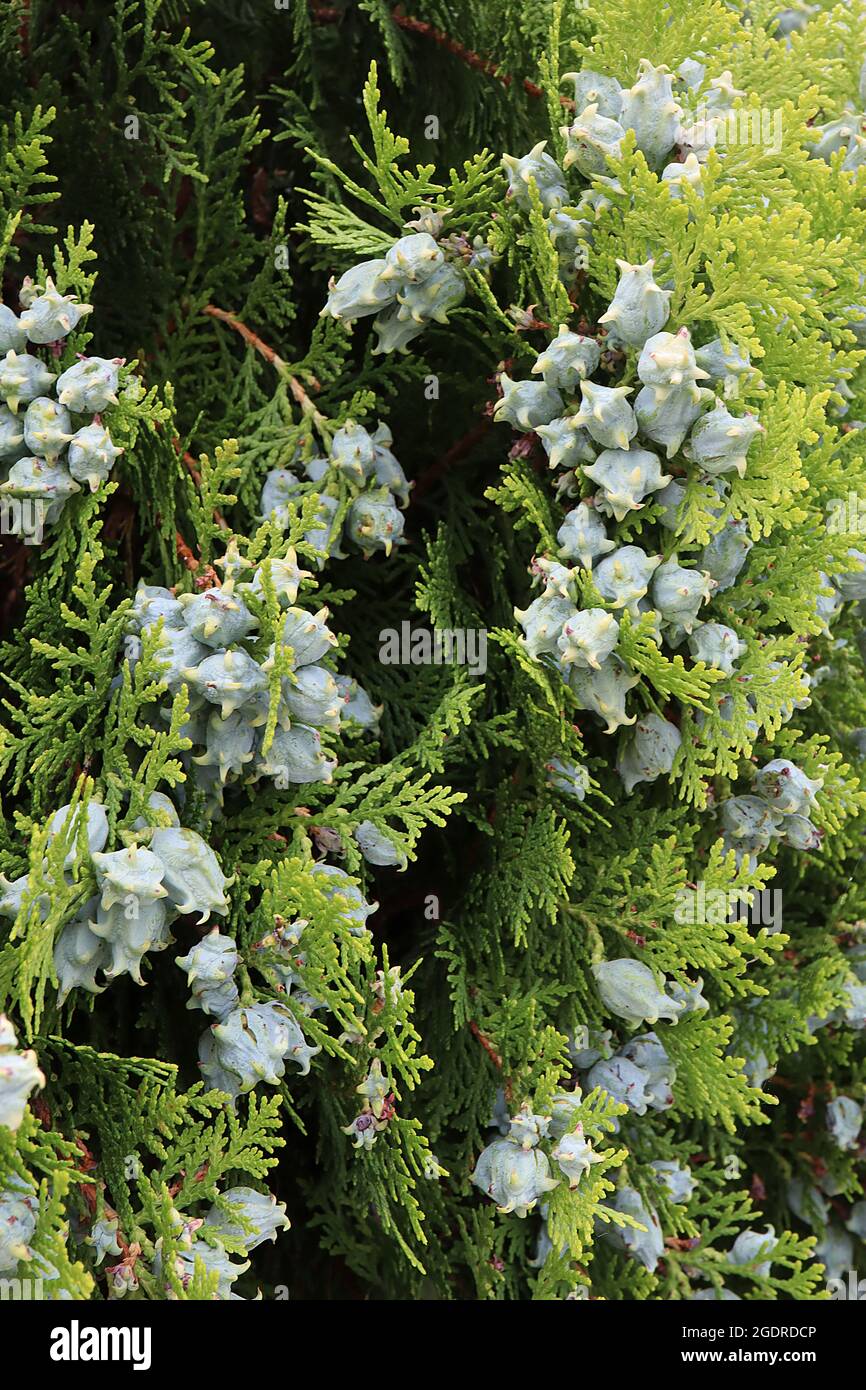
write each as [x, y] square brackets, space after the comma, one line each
[337, 961]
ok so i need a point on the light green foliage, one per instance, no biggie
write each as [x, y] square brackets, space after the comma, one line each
[432, 1001]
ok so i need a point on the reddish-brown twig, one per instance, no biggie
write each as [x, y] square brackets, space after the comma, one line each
[205, 577]
[24, 29]
[247, 334]
[486, 1044]
[87, 1164]
[185, 553]
[264, 350]
[192, 469]
[330, 15]
[458, 451]
[466, 55]
[682, 1242]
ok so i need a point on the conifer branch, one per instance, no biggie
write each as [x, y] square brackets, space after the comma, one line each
[270, 771]
[207, 577]
[486, 1044]
[192, 469]
[458, 451]
[466, 55]
[330, 15]
[264, 350]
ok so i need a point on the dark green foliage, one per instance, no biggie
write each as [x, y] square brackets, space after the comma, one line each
[198, 173]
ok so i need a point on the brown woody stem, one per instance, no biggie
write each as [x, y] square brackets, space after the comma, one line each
[458, 451]
[264, 350]
[486, 1044]
[329, 15]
